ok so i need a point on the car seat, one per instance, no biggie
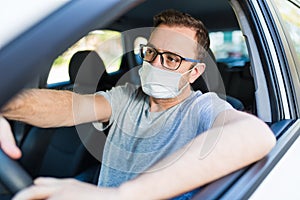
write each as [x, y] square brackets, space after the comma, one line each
[239, 83]
[56, 152]
[85, 70]
[212, 81]
[61, 152]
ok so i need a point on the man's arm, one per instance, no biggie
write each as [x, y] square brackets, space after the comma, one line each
[53, 108]
[241, 139]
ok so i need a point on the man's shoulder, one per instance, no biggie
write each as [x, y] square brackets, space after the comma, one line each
[198, 95]
[209, 100]
[125, 89]
[127, 86]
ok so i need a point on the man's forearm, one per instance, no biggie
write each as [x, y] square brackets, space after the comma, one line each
[186, 169]
[43, 108]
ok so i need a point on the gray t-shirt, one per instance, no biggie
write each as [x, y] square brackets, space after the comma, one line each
[139, 138]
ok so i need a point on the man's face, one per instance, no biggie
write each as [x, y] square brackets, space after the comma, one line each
[178, 40]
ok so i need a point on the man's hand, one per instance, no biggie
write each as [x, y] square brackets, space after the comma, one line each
[56, 189]
[7, 141]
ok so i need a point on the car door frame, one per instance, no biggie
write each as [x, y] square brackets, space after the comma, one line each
[281, 109]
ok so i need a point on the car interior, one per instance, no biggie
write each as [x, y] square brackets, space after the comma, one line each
[61, 152]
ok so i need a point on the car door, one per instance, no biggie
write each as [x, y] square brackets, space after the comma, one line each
[275, 57]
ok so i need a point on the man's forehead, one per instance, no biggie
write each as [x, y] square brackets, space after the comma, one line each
[180, 40]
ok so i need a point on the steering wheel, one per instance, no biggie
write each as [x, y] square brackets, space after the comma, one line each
[12, 175]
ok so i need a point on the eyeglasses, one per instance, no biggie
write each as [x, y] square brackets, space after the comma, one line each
[168, 60]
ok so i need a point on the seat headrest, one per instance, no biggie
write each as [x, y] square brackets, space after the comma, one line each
[86, 68]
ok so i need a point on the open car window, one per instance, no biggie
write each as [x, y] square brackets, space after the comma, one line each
[106, 43]
[229, 47]
[257, 53]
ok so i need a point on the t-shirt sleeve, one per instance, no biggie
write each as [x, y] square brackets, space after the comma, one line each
[117, 98]
[211, 107]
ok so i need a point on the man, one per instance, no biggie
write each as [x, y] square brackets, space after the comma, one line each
[165, 140]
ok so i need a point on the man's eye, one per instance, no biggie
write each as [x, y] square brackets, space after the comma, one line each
[149, 51]
[172, 58]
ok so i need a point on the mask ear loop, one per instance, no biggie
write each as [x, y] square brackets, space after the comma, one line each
[187, 82]
[193, 66]
[188, 71]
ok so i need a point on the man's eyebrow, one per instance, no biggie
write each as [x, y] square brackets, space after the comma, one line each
[175, 53]
[153, 46]
[150, 45]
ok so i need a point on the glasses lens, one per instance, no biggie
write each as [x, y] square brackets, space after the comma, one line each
[148, 53]
[171, 61]
[168, 60]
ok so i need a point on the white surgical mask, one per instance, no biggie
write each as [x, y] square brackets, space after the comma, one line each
[160, 83]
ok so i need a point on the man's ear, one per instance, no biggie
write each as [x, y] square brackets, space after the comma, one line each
[197, 71]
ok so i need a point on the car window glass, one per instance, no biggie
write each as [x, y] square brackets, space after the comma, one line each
[229, 47]
[290, 14]
[106, 43]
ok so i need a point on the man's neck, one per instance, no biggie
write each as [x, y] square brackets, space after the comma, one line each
[157, 105]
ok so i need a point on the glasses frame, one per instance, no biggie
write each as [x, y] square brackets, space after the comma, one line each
[162, 59]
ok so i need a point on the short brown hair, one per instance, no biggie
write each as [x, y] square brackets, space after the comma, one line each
[175, 18]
